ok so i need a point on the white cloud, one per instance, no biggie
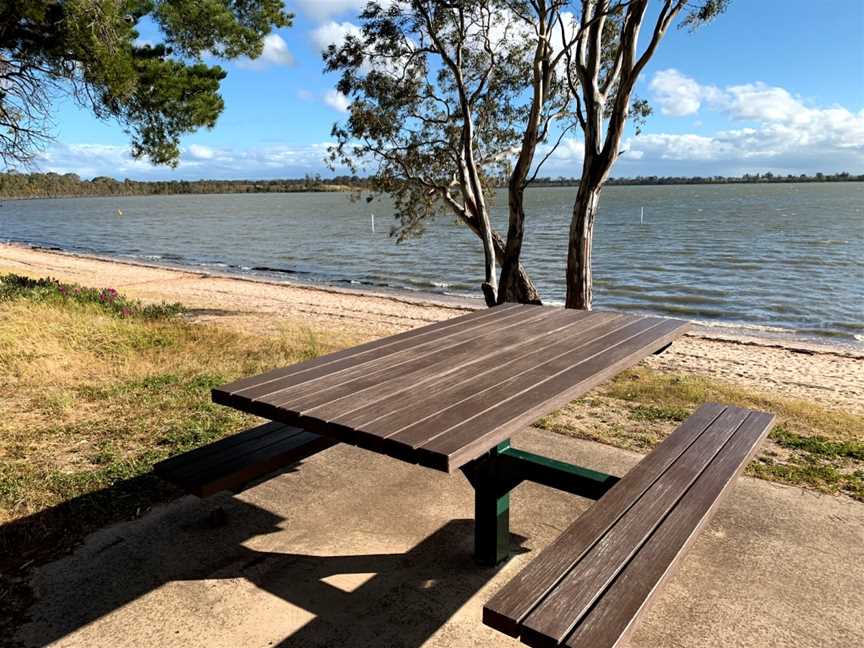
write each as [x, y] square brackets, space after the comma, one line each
[199, 152]
[779, 134]
[336, 100]
[805, 139]
[679, 95]
[778, 128]
[275, 52]
[765, 103]
[333, 33]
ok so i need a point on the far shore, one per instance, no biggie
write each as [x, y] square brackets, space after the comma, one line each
[828, 375]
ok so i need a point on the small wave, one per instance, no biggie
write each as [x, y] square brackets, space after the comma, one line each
[440, 284]
[734, 325]
[279, 270]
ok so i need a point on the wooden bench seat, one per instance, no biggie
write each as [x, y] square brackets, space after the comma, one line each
[587, 587]
[235, 461]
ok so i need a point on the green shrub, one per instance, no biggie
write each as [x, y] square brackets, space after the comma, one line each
[14, 286]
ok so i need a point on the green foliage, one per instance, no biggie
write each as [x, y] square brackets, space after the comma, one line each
[702, 13]
[108, 300]
[158, 92]
[415, 75]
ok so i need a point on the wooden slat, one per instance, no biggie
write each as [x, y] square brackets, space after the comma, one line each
[392, 392]
[566, 604]
[424, 357]
[232, 462]
[333, 364]
[368, 347]
[414, 424]
[537, 392]
[243, 470]
[416, 403]
[239, 469]
[512, 603]
[216, 462]
[196, 455]
[611, 619]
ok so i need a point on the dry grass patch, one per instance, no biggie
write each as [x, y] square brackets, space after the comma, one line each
[811, 445]
[93, 397]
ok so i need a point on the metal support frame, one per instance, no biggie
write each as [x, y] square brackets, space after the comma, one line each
[503, 468]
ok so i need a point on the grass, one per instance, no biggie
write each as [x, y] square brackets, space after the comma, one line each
[95, 391]
[811, 446]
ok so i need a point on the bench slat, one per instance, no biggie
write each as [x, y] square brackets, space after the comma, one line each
[219, 453]
[232, 462]
[563, 607]
[240, 462]
[180, 462]
[586, 587]
[615, 613]
[511, 603]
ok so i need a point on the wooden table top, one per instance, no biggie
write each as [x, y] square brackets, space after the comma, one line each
[444, 394]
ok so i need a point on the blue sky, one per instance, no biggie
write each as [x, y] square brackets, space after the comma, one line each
[772, 85]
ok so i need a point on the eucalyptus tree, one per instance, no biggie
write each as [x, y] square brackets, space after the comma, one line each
[450, 99]
[90, 50]
[437, 108]
[603, 63]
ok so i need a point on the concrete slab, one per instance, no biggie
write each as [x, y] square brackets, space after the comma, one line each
[355, 549]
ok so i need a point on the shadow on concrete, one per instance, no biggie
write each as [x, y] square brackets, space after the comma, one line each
[401, 599]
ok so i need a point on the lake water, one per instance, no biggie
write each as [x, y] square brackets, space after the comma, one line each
[785, 258]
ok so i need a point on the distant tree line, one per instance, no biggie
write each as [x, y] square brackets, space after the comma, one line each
[747, 178]
[55, 185]
[70, 185]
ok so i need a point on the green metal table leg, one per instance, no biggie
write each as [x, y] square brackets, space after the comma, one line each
[491, 527]
[491, 509]
[503, 468]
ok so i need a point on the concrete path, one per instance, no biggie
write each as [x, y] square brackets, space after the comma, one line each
[354, 549]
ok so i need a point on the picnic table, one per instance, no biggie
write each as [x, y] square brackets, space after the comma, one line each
[449, 396]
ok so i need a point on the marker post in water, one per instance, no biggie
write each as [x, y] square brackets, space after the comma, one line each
[373, 222]
[642, 216]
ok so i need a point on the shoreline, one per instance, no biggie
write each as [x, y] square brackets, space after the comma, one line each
[405, 295]
[826, 374]
[732, 332]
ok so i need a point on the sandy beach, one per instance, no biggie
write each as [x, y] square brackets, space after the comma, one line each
[831, 376]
